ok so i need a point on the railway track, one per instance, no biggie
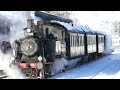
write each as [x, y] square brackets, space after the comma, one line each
[2, 74]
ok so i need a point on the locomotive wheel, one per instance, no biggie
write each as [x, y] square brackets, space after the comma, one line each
[41, 74]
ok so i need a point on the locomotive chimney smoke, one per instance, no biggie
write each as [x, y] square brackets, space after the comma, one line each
[18, 23]
[12, 73]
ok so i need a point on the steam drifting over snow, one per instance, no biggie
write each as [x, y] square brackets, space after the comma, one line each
[18, 21]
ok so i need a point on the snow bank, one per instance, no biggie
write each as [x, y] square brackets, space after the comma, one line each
[107, 67]
[58, 66]
[61, 63]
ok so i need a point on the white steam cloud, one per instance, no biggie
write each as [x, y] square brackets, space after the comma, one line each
[18, 21]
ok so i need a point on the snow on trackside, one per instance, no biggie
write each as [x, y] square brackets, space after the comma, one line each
[61, 63]
[58, 66]
[107, 67]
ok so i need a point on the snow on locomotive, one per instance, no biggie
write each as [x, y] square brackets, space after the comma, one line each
[54, 44]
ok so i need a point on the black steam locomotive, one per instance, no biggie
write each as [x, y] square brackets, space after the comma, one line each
[53, 38]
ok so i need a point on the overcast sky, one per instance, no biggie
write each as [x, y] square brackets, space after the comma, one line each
[94, 19]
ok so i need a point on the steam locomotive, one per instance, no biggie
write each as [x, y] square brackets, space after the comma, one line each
[51, 39]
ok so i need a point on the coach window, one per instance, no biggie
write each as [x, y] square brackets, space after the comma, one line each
[73, 40]
[63, 35]
[88, 40]
[79, 40]
[93, 39]
[82, 40]
[103, 39]
[70, 40]
[99, 38]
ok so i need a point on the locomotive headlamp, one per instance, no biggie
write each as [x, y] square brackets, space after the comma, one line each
[28, 30]
[40, 58]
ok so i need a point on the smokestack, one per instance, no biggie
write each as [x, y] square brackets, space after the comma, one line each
[30, 24]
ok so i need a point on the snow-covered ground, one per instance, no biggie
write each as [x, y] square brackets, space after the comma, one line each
[107, 67]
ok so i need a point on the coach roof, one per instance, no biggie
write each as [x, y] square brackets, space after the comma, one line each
[70, 27]
[88, 30]
[48, 17]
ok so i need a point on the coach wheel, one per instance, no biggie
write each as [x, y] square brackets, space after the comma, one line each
[86, 59]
